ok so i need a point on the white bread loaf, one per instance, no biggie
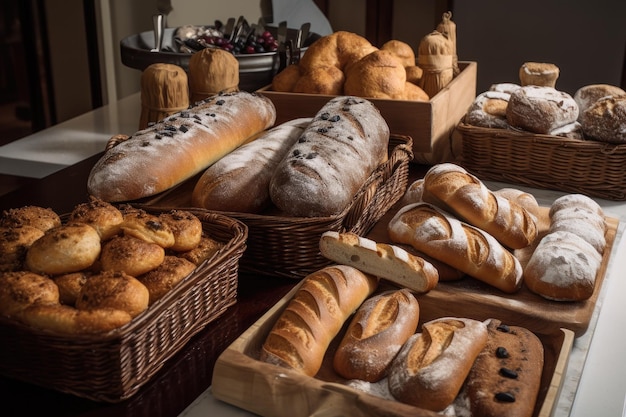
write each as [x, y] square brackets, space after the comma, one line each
[346, 141]
[239, 181]
[581, 215]
[318, 310]
[375, 335]
[178, 147]
[467, 248]
[431, 367]
[383, 260]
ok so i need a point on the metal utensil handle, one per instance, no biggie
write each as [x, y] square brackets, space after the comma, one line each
[157, 21]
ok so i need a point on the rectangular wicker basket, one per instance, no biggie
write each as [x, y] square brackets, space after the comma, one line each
[588, 167]
[112, 367]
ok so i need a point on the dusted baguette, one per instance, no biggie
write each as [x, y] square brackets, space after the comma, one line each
[453, 189]
[385, 261]
[239, 181]
[314, 316]
[376, 334]
[469, 249]
[346, 141]
[431, 367]
[178, 147]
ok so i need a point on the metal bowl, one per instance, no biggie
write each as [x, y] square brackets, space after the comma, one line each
[255, 70]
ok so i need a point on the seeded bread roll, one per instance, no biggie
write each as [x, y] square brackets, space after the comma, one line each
[326, 298]
[346, 141]
[178, 147]
[431, 366]
[239, 181]
[506, 375]
[375, 335]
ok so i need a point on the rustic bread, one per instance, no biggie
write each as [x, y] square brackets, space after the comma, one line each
[540, 109]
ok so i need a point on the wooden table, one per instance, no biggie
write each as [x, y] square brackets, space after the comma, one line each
[188, 373]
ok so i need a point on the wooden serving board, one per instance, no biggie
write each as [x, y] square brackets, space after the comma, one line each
[241, 379]
[523, 308]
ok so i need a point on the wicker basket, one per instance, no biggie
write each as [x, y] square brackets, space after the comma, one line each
[113, 366]
[588, 167]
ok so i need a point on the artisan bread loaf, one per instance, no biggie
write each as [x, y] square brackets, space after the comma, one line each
[581, 215]
[431, 367]
[506, 375]
[346, 141]
[563, 267]
[383, 260]
[178, 147]
[489, 110]
[605, 120]
[587, 95]
[239, 182]
[540, 109]
[375, 335]
[313, 317]
[469, 249]
[539, 73]
[453, 189]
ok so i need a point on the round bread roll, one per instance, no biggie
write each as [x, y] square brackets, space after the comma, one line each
[69, 286]
[205, 250]
[588, 225]
[489, 110]
[575, 200]
[605, 120]
[14, 243]
[186, 227]
[40, 217]
[540, 109]
[99, 214]
[145, 226]
[63, 249]
[379, 75]
[321, 80]
[563, 267]
[504, 87]
[401, 50]
[414, 75]
[286, 79]
[20, 289]
[414, 93]
[166, 276]
[339, 49]
[539, 73]
[131, 255]
[587, 95]
[116, 290]
[64, 319]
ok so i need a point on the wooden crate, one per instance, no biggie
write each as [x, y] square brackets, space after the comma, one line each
[426, 122]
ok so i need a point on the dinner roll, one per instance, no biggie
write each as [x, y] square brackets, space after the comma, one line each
[130, 255]
[20, 289]
[40, 217]
[99, 214]
[166, 276]
[114, 289]
[186, 227]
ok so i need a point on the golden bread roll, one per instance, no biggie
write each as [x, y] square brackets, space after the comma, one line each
[542, 74]
[414, 75]
[148, 227]
[130, 255]
[70, 286]
[380, 327]
[186, 227]
[64, 319]
[205, 250]
[63, 249]
[166, 276]
[402, 50]
[101, 215]
[339, 49]
[458, 192]
[20, 289]
[286, 79]
[321, 80]
[431, 367]
[378, 75]
[414, 93]
[524, 199]
[14, 243]
[116, 290]
[313, 317]
[42, 218]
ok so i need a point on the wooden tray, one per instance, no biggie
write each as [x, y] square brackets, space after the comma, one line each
[240, 379]
[523, 308]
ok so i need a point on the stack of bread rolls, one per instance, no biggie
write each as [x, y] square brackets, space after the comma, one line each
[97, 270]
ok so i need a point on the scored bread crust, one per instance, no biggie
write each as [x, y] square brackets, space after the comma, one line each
[383, 260]
[157, 158]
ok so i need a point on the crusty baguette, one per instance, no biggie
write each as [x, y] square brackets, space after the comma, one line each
[157, 158]
[326, 298]
[346, 141]
[383, 260]
[239, 181]
[506, 375]
[375, 335]
[431, 367]
[453, 189]
[469, 249]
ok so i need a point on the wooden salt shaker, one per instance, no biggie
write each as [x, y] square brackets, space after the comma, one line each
[164, 91]
[212, 71]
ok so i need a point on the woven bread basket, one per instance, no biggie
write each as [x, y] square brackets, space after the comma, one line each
[593, 168]
[113, 366]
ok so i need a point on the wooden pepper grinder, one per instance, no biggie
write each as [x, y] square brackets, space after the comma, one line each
[164, 91]
[435, 58]
[212, 71]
